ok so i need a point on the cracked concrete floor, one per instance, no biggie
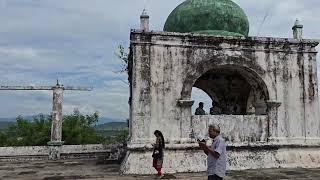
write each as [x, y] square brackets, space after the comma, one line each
[84, 169]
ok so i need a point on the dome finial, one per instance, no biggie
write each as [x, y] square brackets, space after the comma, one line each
[297, 29]
[298, 22]
[144, 20]
[144, 12]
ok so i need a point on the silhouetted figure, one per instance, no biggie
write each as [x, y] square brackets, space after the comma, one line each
[214, 110]
[223, 107]
[199, 110]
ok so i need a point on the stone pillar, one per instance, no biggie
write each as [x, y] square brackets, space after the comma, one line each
[144, 21]
[297, 30]
[272, 112]
[56, 127]
[187, 133]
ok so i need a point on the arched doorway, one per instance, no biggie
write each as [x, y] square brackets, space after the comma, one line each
[242, 97]
[234, 90]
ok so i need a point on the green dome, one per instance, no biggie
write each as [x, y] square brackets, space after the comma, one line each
[213, 17]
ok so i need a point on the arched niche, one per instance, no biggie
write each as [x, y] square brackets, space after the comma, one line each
[237, 90]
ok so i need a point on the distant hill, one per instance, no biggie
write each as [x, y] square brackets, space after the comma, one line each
[7, 119]
[13, 119]
[4, 125]
[112, 126]
[102, 120]
[104, 123]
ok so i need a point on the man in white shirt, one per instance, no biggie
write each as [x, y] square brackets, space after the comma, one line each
[216, 153]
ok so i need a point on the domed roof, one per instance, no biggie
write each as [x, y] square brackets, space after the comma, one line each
[213, 17]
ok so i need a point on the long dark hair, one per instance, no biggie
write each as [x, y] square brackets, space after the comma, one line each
[161, 136]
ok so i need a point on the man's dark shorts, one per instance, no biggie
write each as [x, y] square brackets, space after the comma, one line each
[214, 177]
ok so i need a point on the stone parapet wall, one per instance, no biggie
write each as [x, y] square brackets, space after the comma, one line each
[234, 128]
[96, 151]
[24, 151]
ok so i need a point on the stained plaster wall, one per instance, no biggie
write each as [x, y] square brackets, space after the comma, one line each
[165, 67]
[235, 129]
[239, 158]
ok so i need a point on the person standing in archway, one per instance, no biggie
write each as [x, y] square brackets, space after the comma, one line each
[157, 154]
[199, 110]
[214, 110]
[216, 154]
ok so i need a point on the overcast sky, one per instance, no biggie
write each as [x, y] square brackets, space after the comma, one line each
[76, 41]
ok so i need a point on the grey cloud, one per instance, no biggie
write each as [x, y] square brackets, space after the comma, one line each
[75, 40]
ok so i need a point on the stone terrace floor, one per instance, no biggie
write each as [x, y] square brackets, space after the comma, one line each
[84, 169]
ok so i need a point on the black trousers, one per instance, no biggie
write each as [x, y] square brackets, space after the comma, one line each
[214, 177]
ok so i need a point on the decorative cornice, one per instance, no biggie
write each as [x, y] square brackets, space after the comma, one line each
[199, 40]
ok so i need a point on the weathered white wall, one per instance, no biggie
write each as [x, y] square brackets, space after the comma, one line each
[238, 158]
[166, 66]
[234, 129]
[67, 151]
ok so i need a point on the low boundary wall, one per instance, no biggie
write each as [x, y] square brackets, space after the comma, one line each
[94, 151]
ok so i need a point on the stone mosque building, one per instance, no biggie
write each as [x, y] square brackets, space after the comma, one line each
[272, 82]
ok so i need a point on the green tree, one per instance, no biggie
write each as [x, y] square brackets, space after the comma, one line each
[123, 55]
[76, 129]
[29, 133]
[79, 129]
[3, 139]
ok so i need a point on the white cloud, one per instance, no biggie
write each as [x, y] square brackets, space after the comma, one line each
[75, 41]
[18, 52]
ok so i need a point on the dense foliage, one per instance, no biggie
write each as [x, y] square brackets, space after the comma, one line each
[27, 133]
[77, 129]
[123, 55]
